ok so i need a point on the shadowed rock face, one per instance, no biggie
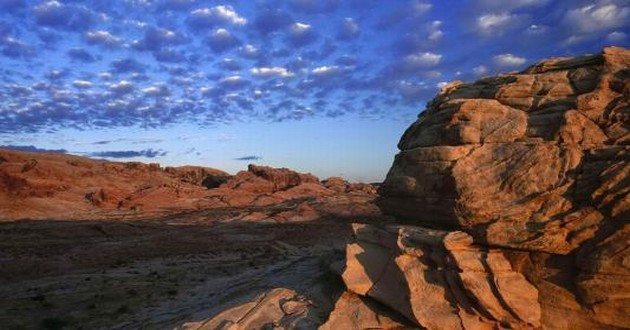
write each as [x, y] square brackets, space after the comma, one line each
[526, 176]
[536, 160]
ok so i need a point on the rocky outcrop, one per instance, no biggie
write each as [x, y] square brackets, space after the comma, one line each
[439, 279]
[340, 185]
[355, 312]
[277, 309]
[56, 186]
[536, 160]
[513, 192]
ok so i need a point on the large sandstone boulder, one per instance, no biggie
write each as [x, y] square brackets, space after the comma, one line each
[513, 192]
[536, 160]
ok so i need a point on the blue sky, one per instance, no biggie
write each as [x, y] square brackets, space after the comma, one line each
[322, 86]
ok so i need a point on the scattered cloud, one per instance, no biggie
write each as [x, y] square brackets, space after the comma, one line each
[102, 38]
[349, 29]
[81, 55]
[274, 71]
[156, 63]
[499, 23]
[426, 59]
[301, 34]
[147, 153]
[221, 40]
[32, 148]
[507, 60]
[250, 158]
[209, 17]
[600, 16]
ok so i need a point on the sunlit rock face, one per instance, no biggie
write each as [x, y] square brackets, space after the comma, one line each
[512, 194]
[536, 160]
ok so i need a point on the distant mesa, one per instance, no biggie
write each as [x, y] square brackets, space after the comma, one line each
[40, 185]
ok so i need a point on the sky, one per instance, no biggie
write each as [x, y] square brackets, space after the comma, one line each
[320, 86]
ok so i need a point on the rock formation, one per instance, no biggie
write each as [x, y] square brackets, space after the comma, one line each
[58, 186]
[526, 176]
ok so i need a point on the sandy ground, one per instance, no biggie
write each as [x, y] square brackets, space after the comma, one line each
[159, 273]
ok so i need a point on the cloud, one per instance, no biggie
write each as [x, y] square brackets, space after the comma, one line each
[326, 70]
[32, 148]
[102, 38]
[592, 18]
[59, 15]
[616, 36]
[233, 82]
[158, 91]
[301, 34]
[169, 56]
[209, 17]
[507, 60]
[272, 20]
[15, 48]
[499, 23]
[127, 65]
[426, 59]
[267, 72]
[230, 64]
[249, 51]
[80, 54]
[349, 29]
[82, 84]
[122, 87]
[480, 70]
[221, 40]
[148, 153]
[156, 38]
[127, 140]
[245, 158]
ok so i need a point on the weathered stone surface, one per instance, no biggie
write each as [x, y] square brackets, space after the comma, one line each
[439, 279]
[355, 312]
[276, 309]
[528, 176]
[536, 160]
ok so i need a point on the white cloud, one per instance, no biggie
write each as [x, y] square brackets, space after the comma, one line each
[616, 36]
[326, 70]
[154, 90]
[122, 86]
[490, 22]
[500, 23]
[224, 13]
[421, 7]
[509, 60]
[102, 37]
[271, 71]
[82, 84]
[426, 59]
[435, 33]
[350, 28]
[536, 29]
[480, 70]
[300, 28]
[231, 79]
[597, 17]
[249, 50]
